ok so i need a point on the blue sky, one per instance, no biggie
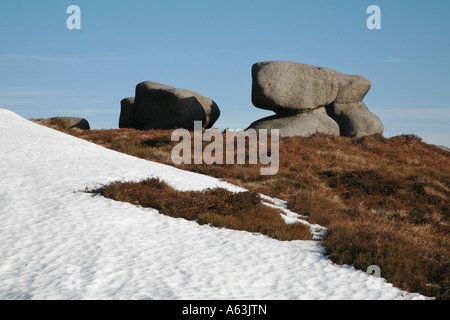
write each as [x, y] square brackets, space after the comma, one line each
[209, 47]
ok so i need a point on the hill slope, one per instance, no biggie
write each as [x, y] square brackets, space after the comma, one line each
[57, 242]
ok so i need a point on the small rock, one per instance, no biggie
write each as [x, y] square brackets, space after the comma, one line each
[303, 124]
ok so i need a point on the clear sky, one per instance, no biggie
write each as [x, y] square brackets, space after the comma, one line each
[209, 47]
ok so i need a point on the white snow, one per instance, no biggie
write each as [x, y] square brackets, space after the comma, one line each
[57, 242]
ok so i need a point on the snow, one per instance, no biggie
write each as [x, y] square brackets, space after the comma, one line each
[57, 242]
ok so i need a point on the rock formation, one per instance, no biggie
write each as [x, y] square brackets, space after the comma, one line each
[309, 99]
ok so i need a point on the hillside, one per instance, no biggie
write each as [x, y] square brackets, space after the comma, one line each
[59, 242]
[383, 201]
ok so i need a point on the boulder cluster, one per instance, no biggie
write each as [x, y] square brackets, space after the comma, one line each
[158, 106]
[309, 99]
[306, 100]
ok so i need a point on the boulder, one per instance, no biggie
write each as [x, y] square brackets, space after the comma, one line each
[158, 106]
[355, 119]
[288, 87]
[303, 124]
[126, 119]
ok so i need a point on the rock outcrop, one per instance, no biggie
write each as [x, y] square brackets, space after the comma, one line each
[309, 99]
[158, 106]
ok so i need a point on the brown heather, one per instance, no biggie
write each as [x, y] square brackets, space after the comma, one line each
[216, 207]
[384, 201]
[56, 123]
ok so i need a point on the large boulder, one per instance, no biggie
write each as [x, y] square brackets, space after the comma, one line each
[287, 87]
[355, 119]
[303, 124]
[158, 106]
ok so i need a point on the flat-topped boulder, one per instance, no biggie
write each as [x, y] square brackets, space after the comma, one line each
[288, 87]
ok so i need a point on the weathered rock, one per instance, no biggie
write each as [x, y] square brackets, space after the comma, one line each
[126, 119]
[288, 87]
[351, 88]
[355, 119]
[159, 106]
[303, 124]
[79, 123]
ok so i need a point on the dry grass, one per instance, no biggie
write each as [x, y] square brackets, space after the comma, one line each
[56, 123]
[384, 201]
